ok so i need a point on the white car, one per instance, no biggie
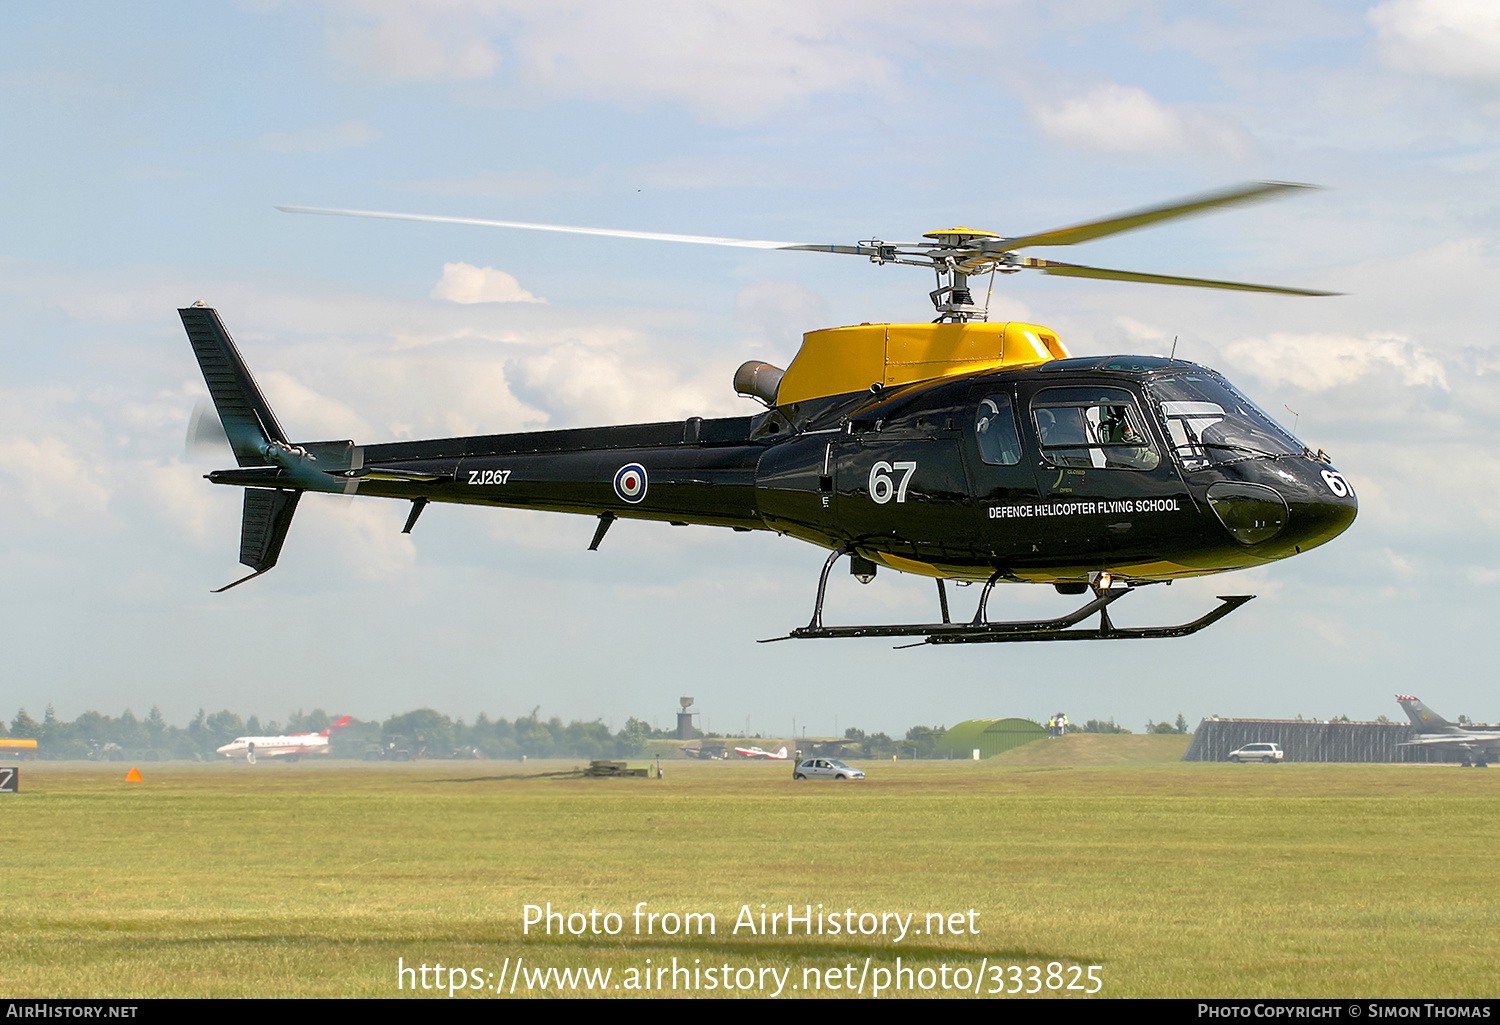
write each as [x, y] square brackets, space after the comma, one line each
[825, 768]
[1258, 753]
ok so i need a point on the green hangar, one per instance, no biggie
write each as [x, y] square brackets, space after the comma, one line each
[989, 736]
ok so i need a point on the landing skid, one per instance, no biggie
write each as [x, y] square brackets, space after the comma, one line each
[980, 630]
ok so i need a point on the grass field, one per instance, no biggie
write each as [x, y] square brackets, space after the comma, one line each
[1176, 879]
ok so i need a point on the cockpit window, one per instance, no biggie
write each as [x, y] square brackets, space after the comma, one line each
[1093, 427]
[1211, 424]
[995, 426]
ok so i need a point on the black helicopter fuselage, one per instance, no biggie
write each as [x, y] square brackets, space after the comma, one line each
[1140, 467]
[957, 448]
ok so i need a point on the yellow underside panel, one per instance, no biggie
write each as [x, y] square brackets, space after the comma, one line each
[925, 569]
[849, 359]
[1128, 571]
[1123, 570]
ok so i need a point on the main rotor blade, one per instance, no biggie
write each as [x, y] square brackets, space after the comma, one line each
[1072, 270]
[707, 240]
[1140, 218]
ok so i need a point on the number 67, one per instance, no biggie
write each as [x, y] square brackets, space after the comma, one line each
[881, 485]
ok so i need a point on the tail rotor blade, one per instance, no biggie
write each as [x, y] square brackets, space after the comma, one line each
[205, 434]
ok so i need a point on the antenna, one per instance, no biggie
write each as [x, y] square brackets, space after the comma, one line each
[1294, 413]
[1174, 348]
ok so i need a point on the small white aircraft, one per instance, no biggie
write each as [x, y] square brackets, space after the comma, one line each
[755, 752]
[1479, 747]
[291, 748]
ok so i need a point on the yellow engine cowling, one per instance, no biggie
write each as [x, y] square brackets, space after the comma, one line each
[840, 360]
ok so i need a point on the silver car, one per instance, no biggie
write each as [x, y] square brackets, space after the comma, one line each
[1257, 753]
[825, 768]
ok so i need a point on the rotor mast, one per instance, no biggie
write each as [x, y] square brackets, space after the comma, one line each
[952, 298]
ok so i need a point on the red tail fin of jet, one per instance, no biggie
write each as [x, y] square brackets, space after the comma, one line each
[342, 722]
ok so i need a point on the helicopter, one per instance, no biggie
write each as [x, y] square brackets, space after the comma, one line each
[957, 449]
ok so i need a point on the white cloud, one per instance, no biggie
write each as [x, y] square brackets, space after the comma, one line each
[591, 386]
[451, 394]
[1398, 564]
[198, 513]
[491, 184]
[1318, 362]
[1447, 38]
[55, 483]
[366, 536]
[726, 61]
[1127, 120]
[415, 40]
[304, 413]
[465, 283]
[321, 140]
[777, 313]
[1139, 332]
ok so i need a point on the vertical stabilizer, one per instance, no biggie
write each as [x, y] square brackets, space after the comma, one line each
[1422, 717]
[243, 410]
[253, 434]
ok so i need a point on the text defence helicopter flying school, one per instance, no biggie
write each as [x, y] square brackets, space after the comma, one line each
[957, 449]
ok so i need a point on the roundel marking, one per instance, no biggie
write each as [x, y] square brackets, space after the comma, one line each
[631, 482]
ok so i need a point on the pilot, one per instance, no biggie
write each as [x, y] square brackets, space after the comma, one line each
[1129, 448]
[1115, 427]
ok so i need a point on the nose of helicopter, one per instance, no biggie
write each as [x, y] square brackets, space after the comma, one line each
[1285, 508]
[1319, 517]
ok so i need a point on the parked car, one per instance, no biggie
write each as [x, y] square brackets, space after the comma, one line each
[1258, 753]
[825, 768]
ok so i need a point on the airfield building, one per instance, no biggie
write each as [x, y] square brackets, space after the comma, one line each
[1311, 741]
[989, 736]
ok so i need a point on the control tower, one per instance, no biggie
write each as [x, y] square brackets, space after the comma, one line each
[685, 730]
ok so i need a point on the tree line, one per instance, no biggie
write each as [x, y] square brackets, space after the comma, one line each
[422, 733]
[416, 734]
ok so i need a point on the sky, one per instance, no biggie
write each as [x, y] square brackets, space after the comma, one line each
[147, 146]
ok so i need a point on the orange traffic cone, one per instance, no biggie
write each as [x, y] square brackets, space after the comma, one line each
[133, 776]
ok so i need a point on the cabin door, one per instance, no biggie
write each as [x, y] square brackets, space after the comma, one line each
[900, 488]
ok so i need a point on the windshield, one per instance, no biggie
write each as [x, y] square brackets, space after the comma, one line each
[1210, 424]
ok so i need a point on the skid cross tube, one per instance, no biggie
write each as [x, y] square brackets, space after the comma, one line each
[982, 613]
[980, 630]
[1028, 628]
[816, 623]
